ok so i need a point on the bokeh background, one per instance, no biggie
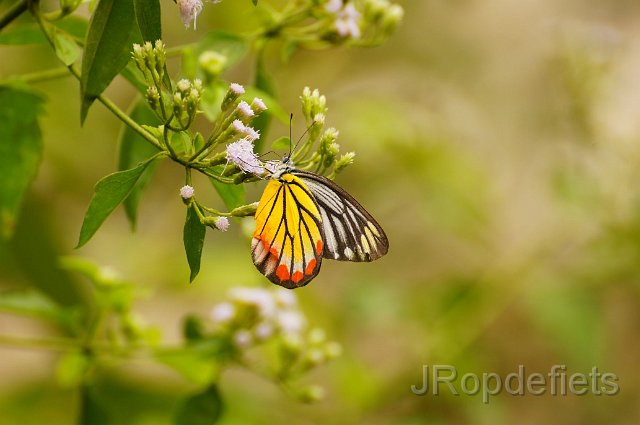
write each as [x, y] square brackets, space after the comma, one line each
[497, 142]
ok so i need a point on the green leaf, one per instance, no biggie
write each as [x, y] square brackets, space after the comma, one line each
[233, 195]
[71, 369]
[31, 33]
[196, 362]
[194, 231]
[110, 191]
[111, 34]
[133, 150]
[133, 75]
[212, 98]
[281, 143]
[20, 151]
[149, 19]
[34, 304]
[65, 46]
[91, 412]
[204, 408]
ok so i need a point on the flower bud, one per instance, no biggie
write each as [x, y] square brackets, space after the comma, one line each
[311, 394]
[231, 96]
[153, 97]
[392, 18]
[212, 64]
[344, 161]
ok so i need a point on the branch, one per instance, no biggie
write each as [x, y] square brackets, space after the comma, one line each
[14, 11]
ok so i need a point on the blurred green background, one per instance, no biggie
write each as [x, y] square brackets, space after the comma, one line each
[498, 143]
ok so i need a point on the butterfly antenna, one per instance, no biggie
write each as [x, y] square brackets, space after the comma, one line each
[290, 137]
[300, 139]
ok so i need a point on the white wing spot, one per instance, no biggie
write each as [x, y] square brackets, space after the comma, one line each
[348, 252]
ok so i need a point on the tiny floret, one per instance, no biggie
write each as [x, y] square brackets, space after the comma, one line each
[189, 11]
[184, 85]
[186, 192]
[223, 312]
[236, 88]
[245, 109]
[251, 134]
[258, 105]
[241, 154]
[333, 6]
[222, 224]
[238, 126]
[242, 338]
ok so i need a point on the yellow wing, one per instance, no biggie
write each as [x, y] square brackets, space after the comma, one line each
[287, 244]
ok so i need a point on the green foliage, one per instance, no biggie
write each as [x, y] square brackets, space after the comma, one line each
[111, 33]
[133, 150]
[204, 408]
[20, 150]
[194, 232]
[110, 192]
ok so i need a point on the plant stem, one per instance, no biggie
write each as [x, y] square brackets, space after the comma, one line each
[14, 11]
[49, 74]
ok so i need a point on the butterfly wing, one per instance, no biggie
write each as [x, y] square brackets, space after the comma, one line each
[350, 232]
[287, 243]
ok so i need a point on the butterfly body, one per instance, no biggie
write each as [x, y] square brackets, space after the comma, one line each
[303, 217]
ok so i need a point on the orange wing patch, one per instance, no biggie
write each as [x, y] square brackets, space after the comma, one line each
[287, 242]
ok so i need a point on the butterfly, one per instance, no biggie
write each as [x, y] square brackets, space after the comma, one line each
[303, 217]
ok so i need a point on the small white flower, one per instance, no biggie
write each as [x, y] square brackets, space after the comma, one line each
[316, 336]
[189, 11]
[238, 126]
[315, 356]
[236, 88]
[251, 134]
[348, 22]
[261, 298]
[291, 321]
[241, 154]
[264, 330]
[258, 105]
[243, 338]
[186, 192]
[333, 6]
[285, 297]
[184, 85]
[245, 109]
[332, 350]
[222, 224]
[223, 312]
[319, 118]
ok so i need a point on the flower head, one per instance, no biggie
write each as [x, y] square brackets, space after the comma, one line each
[258, 105]
[222, 224]
[348, 22]
[236, 88]
[238, 126]
[186, 192]
[223, 312]
[251, 134]
[189, 11]
[245, 109]
[241, 154]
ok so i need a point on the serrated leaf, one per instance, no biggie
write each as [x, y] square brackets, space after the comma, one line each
[204, 408]
[110, 191]
[65, 47]
[233, 195]
[281, 143]
[111, 34]
[193, 238]
[20, 151]
[133, 150]
[148, 17]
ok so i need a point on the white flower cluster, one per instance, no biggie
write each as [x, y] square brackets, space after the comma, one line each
[256, 316]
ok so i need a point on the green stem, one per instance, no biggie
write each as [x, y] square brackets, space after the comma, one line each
[49, 74]
[56, 344]
[14, 11]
